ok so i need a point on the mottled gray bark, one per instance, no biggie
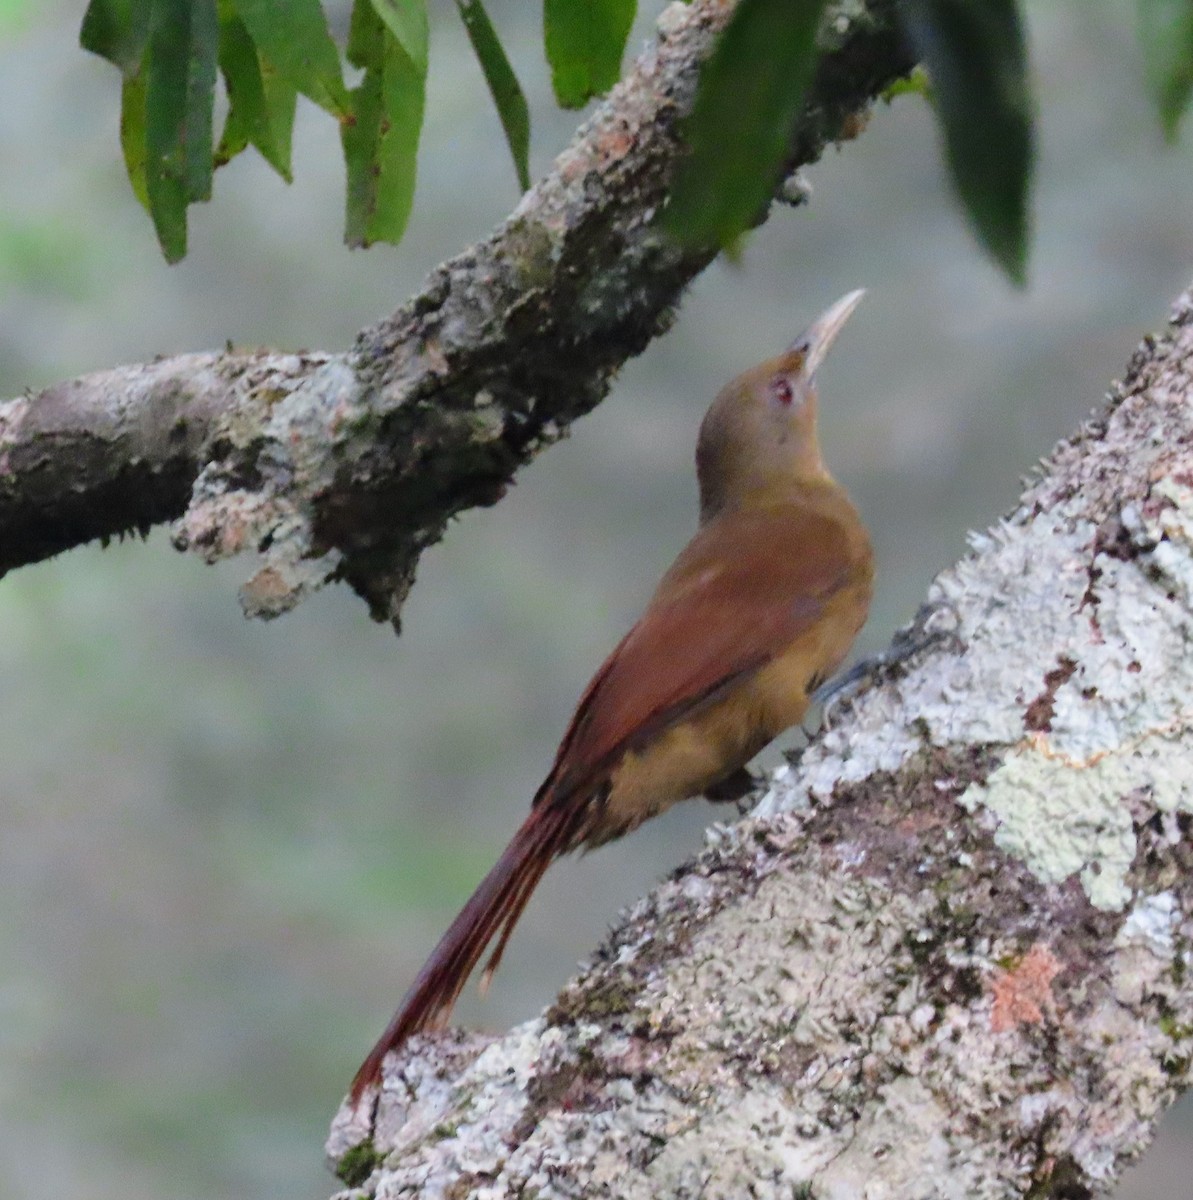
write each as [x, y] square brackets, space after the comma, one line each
[346, 466]
[948, 955]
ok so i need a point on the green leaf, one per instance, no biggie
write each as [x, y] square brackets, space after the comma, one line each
[260, 103]
[281, 98]
[1166, 33]
[407, 21]
[292, 35]
[503, 84]
[380, 136]
[585, 40]
[975, 54]
[364, 35]
[117, 30]
[180, 68]
[740, 130]
[132, 134]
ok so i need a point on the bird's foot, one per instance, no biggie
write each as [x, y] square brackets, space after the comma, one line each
[934, 625]
[740, 787]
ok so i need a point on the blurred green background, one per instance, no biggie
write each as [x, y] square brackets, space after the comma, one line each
[225, 847]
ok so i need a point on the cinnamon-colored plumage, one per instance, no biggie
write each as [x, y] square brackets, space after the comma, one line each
[759, 608]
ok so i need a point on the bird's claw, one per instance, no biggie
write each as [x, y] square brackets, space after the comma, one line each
[924, 632]
[739, 787]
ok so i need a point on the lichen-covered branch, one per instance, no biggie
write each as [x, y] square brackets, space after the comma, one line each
[348, 466]
[947, 956]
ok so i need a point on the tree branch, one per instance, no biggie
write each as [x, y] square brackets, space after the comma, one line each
[348, 466]
[948, 955]
[106, 454]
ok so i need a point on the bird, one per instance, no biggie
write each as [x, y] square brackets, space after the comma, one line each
[757, 611]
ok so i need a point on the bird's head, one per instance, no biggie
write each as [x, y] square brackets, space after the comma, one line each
[759, 435]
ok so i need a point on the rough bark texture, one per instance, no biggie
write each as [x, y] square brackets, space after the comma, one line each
[347, 466]
[107, 454]
[947, 956]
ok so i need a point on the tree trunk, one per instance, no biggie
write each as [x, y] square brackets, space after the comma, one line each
[946, 957]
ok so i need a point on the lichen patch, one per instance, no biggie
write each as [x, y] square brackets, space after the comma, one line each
[1022, 994]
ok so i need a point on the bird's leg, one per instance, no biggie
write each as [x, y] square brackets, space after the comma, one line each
[734, 787]
[926, 631]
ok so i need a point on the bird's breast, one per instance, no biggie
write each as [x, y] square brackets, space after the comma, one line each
[691, 756]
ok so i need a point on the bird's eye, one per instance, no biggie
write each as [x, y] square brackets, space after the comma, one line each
[781, 390]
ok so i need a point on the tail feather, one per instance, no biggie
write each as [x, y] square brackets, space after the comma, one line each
[517, 902]
[496, 905]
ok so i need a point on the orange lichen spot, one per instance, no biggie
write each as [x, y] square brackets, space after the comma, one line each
[614, 144]
[853, 126]
[1023, 993]
[267, 587]
[228, 535]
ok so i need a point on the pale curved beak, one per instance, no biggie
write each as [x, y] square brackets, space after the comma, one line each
[815, 341]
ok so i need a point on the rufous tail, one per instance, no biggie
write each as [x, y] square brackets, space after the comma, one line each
[495, 905]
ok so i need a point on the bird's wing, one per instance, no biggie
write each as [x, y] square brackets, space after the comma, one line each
[742, 590]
